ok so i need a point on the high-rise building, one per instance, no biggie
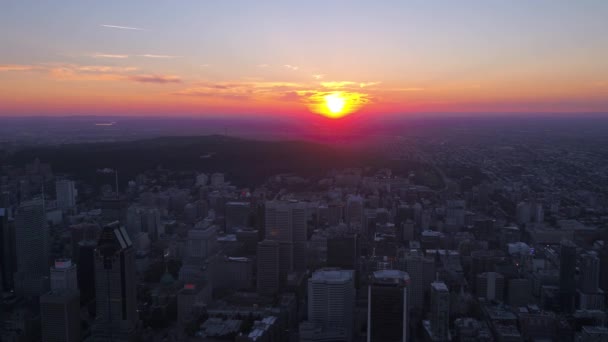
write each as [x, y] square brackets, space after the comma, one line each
[8, 264]
[144, 220]
[113, 208]
[589, 273]
[331, 298]
[354, 210]
[342, 251]
[237, 215]
[66, 194]
[454, 214]
[64, 275]
[202, 241]
[286, 222]
[421, 269]
[387, 303]
[115, 286]
[604, 267]
[440, 312]
[268, 281]
[60, 316]
[32, 249]
[86, 270]
[567, 280]
[490, 286]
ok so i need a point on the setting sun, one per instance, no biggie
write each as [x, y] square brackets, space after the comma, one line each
[335, 103]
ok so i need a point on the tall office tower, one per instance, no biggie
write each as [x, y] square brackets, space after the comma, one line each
[299, 221]
[567, 280]
[144, 220]
[538, 213]
[60, 316]
[342, 251]
[32, 249]
[523, 212]
[237, 215]
[202, 241]
[590, 273]
[8, 257]
[440, 312]
[422, 272]
[66, 194]
[113, 208]
[286, 222]
[354, 210]
[86, 270]
[331, 299]
[64, 275]
[217, 180]
[490, 286]
[454, 214]
[268, 267]
[387, 306]
[115, 286]
[604, 267]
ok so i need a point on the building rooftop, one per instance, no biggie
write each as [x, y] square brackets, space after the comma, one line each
[332, 275]
[390, 276]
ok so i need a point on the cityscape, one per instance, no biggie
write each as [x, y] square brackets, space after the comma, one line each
[303, 171]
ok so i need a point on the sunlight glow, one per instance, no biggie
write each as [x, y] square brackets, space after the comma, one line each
[335, 103]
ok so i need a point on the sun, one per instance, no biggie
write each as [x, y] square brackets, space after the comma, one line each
[335, 104]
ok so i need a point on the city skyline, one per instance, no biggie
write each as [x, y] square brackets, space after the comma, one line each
[235, 59]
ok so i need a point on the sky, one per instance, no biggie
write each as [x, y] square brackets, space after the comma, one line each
[299, 58]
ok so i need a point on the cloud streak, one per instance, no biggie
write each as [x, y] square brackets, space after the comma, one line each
[157, 56]
[109, 55]
[292, 67]
[159, 79]
[17, 67]
[122, 27]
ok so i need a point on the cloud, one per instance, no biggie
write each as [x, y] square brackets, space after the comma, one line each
[122, 27]
[205, 65]
[108, 55]
[240, 89]
[71, 72]
[338, 84]
[291, 67]
[318, 76]
[159, 79]
[17, 67]
[157, 56]
[368, 84]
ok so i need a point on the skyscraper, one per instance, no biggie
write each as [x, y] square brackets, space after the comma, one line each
[387, 316]
[331, 297]
[86, 270]
[567, 280]
[32, 249]
[60, 316]
[64, 275]
[422, 271]
[286, 222]
[354, 210]
[590, 273]
[268, 267]
[66, 194]
[440, 312]
[8, 264]
[115, 286]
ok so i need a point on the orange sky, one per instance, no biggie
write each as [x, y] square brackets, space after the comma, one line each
[286, 59]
